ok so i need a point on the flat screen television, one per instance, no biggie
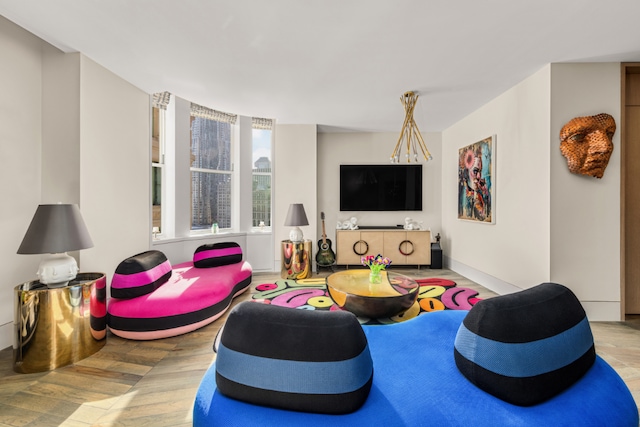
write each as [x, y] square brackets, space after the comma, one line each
[381, 187]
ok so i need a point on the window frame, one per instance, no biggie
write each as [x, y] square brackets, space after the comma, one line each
[267, 227]
[231, 172]
[160, 166]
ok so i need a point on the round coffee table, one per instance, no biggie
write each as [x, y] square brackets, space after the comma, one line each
[352, 291]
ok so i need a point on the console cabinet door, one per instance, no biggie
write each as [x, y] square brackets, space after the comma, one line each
[346, 242]
[394, 245]
[373, 242]
[352, 245]
[420, 242]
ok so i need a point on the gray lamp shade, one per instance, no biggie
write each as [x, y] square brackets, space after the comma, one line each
[56, 229]
[296, 215]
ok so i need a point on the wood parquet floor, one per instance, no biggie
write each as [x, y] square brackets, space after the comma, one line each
[153, 383]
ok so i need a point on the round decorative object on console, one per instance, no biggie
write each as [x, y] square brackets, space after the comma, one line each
[360, 243]
[407, 243]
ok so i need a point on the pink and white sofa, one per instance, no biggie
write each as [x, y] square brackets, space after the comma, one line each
[151, 299]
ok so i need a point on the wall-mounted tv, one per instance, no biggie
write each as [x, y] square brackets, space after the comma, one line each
[381, 187]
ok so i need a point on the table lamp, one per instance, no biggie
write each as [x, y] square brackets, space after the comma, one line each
[54, 230]
[296, 217]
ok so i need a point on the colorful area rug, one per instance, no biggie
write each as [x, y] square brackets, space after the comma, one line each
[311, 294]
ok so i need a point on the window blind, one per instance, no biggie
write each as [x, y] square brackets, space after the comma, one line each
[211, 114]
[261, 123]
[161, 100]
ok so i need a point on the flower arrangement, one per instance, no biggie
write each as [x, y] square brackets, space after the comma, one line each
[376, 263]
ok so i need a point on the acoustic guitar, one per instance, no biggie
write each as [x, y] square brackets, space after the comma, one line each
[325, 256]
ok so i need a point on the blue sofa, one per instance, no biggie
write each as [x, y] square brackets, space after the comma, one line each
[416, 382]
[523, 359]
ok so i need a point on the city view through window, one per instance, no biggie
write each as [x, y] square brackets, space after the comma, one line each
[211, 168]
[212, 177]
[261, 177]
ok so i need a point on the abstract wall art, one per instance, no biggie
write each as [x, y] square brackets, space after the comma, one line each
[476, 181]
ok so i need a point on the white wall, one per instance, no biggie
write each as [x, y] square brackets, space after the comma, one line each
[95, 138]
[60, 127]
[550, 225]
[115, 159]
[260, 251]
[513, 253]
[335, 149]
[295, 162]
[20, 160]
[72, 132]
[585, 211]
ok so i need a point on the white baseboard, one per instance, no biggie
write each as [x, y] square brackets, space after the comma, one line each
[597, 311]
[492, 283]
[602, 311]
[6, 335]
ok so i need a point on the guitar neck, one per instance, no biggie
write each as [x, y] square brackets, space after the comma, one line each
[324, 234]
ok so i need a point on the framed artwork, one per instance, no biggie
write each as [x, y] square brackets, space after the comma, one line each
[476, 181]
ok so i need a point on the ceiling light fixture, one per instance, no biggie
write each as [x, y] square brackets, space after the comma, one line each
[410, 132]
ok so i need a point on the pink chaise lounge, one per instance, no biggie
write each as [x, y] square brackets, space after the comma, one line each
[150, 299]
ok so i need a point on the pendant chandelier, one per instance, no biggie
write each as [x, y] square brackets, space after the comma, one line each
[410, 133]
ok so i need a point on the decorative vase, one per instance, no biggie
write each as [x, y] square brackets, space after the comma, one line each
[375, 276]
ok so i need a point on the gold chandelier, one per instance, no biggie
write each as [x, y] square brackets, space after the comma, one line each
[410, 133]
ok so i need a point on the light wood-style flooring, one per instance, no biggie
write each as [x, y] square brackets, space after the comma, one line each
[153, 383]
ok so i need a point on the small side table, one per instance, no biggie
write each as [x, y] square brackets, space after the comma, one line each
[55, 327]
[296, 259]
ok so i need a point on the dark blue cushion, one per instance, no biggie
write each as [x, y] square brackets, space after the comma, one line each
[526, 347]
[311, 361]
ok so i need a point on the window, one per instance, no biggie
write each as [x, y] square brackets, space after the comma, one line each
[195, 177]
[211, 168]
[160, 101]
[261, 174]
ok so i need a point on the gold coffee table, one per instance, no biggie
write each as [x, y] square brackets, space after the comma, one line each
[352, 291]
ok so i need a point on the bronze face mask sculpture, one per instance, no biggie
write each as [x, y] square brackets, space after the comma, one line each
[586, 144]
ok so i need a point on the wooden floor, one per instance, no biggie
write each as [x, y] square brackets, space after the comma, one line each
[153, 383]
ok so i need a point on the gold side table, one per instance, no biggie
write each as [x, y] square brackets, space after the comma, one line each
[55, 327]
[296, 259]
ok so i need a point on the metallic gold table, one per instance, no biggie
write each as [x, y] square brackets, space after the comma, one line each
[352, 291]
[55, 327]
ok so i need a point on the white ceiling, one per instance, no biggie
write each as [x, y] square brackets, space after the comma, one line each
[342, 64]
